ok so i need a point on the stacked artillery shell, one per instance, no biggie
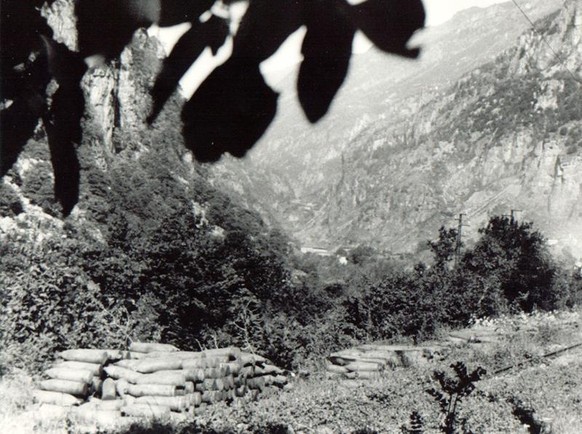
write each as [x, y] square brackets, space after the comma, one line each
[154, 380]
[368, 361]
[72, 379]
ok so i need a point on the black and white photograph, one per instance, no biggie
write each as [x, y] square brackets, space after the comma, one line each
[290, 216]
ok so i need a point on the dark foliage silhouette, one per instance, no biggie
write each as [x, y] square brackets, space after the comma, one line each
[390, 24]
[23, 77]
[229, 112]
[211, 33]
[326, 49]
[63, 122]
[105, 27]
[233, 107]
[30, 58]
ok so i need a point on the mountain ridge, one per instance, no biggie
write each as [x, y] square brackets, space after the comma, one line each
[352, 194]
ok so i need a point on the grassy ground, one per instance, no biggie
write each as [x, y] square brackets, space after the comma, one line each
[542, 394]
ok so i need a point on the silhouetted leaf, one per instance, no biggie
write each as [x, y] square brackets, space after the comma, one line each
[23, 76]
[326, 49]
[212, 33]
[181, 11]
[265, 26]
[61, 131]
[229, 112]
[106, 26]
[63, 122]
[18, 123]
[20, 27]
[389, 24]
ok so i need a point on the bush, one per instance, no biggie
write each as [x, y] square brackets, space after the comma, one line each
[49, 304]
[10, 204]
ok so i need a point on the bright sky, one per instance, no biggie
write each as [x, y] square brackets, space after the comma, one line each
[438, 11]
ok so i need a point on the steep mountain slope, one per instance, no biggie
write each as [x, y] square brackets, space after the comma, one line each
[501, 138]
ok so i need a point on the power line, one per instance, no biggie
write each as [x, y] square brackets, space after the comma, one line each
[537, 32]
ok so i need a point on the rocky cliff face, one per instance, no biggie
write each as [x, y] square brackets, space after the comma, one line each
[115, 136]
[502, 137]
[117, 94]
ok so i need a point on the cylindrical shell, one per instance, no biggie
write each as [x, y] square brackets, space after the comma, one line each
[336, 369]
[85, 355]
[190, 364]
[70, 374]
[195, 399]
[138, 390]
[145, 410]
[127, 364]
[195, 375]
[96, 385]
[56, 398]
[134, 355]
[257, 383]
[74, 388]
[176, 403]
[280, 380]
[189, 387]
[363, 366]
[232, 367]
[212, 384]
[216, 361]
[341, 358]
[147, 366]
[260, 370]
[215, 372]
[362, 375]
[182, 355]
[264, 369]
[247, 371]
[150, 347]
[231, 352]
[95, 368]
[269, 379]
[211, 396]
[200, 410]
[122, 387]
[97, 415]
[108, 389]
[118, 372]
[114, 355]
[110, 405]
[171, 378]
[228, 382]
[272, 369]
[247, 359]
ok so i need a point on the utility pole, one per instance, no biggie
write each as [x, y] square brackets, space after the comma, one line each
[459, 239]
[512, 214]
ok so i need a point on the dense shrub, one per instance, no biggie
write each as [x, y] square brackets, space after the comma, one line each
[49, 304]
[508, 269]
[10, 204]
[515, 259]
